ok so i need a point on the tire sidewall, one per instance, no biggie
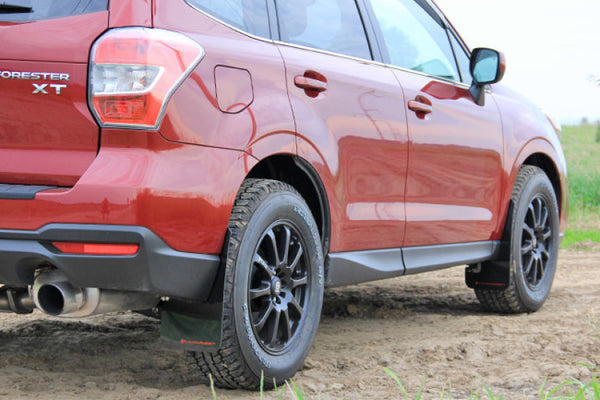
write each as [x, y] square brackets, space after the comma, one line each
[537, 184]
[289, 207]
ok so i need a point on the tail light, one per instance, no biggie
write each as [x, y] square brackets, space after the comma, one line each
[134, 72]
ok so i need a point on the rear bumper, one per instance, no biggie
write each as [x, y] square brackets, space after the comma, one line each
[156, 268]
[183, 193]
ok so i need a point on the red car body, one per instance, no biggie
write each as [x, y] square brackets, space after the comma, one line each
[432, 189]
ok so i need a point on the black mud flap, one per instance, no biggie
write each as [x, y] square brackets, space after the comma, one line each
[192, 333]
[196, 326]
[488, 275]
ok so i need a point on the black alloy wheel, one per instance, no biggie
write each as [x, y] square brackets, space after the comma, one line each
[532, 235]
[278, 287]
[536, 243]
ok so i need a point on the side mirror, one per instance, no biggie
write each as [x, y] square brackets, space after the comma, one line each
[487, 66]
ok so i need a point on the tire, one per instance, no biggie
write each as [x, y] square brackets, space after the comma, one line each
[273, 289]
[533, 227]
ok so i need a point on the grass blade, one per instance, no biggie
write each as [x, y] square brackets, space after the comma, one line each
[212, 387]
[397, 380]
[420, 392]
[262, 383]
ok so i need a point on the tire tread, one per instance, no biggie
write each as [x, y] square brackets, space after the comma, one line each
[507, 301]
[226, 366]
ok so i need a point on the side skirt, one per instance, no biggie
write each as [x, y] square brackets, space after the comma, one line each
[346, 268]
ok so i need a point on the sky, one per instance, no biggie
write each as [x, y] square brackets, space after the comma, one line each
[552, 47]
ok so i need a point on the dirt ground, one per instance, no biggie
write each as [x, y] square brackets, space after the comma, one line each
[428, 326]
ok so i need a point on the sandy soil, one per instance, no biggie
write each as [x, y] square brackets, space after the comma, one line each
[422, 327]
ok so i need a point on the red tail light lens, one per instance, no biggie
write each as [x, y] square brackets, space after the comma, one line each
[134, 72]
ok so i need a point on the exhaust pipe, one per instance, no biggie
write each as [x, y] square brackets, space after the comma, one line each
[55, 295]
[16, 300]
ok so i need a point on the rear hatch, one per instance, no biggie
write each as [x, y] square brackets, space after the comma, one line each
[48, 135]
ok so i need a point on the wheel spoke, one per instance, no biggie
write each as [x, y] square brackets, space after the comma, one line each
[542, 268]
[274, 328]
[532, 212]
[547, 234]
[258, 260]
[545, 215]
[261, 323]
[527, 248]
[545, 255]
[297, 306]
[287, 324]
[286, 246]
[273, 241]
[528, 230]
[264, 290]
[538, 208]
[535, 272]
[299, 282]
[292, 266]
[529, 265]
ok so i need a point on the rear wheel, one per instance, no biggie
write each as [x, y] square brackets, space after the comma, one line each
[273, 288]
[534, 240]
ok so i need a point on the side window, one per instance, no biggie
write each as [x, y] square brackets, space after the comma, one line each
[413, 39]
[34, 10]
[462, 58]
[332, 25]
[248, 15]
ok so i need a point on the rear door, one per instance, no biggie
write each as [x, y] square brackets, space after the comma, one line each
[350, 120]
[47, 133]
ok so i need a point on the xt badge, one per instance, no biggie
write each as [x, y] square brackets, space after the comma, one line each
[41, 88]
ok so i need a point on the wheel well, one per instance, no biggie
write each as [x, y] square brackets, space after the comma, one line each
[545, 163]
[301, 175]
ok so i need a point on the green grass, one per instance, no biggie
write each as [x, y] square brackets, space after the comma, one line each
[582, 151]
[570, 389]
[580, 236]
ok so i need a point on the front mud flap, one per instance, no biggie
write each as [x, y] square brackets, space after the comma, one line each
[493, 275]
[192, 333]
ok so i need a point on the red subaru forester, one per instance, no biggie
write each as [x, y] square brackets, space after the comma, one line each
[221, 162]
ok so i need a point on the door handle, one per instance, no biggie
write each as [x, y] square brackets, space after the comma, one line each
[420, 105]
[308, 83]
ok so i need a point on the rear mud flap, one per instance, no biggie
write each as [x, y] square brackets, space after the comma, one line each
[191, 333]
[196, 327]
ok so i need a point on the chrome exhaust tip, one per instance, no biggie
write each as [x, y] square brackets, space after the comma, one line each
[55, 295]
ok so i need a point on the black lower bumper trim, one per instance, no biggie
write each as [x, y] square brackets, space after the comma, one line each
[156, 268]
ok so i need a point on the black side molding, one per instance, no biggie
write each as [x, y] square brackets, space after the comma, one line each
[346, 268]
[21, 192]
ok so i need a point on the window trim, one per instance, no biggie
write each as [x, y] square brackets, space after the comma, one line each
[451, 34]
[235, 28]
[366, 24]
[442, 22]
[372, 37]
[8, 20]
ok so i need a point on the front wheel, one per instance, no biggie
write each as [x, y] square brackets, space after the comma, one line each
[273, 288]
[534, 241]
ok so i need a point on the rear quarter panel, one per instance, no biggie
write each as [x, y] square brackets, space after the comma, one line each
[265, 126]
